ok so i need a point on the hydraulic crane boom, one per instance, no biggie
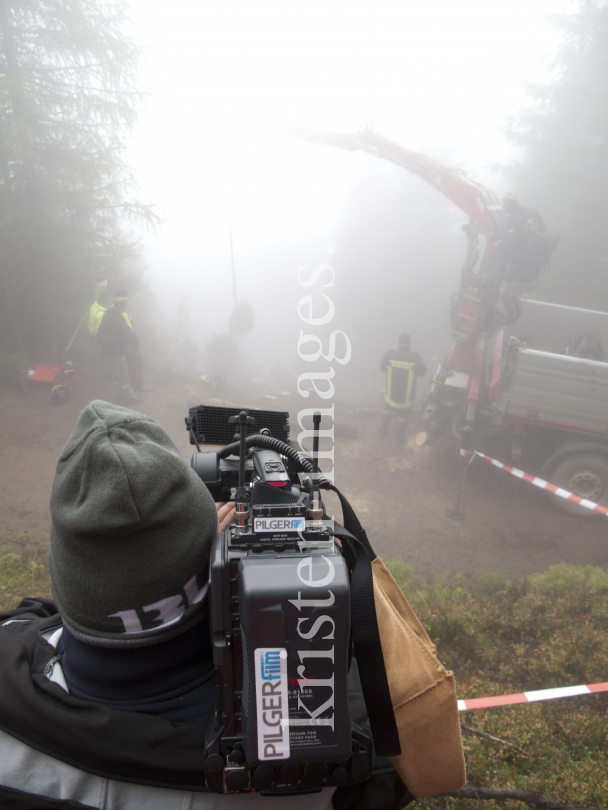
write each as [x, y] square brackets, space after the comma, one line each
[474, 309]
[475, 312]
[465, 386]
[478, 202]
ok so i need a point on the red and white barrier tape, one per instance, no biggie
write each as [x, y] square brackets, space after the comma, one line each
[538, 694]
[539, 482]
[531, 697]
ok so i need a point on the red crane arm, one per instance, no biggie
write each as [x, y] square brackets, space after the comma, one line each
[481, 205]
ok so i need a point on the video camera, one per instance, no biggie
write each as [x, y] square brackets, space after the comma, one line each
[280, 613]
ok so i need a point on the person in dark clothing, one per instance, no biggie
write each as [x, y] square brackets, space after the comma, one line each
[109, 708]
[115, 338]
[135, 362]
[105, 693]
[401, 367]
[523, 240]
[524, 251]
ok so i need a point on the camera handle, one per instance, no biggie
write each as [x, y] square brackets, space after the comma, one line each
[303, 463]
[315, 509]
[190, 428]
[241, 511]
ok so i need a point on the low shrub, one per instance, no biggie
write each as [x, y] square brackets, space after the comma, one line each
[500, 637]
[23, 575]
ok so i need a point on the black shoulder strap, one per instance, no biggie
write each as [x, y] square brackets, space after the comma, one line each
[352, 524]
[366, 636]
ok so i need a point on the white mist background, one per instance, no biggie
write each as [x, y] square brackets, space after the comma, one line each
[225, 82]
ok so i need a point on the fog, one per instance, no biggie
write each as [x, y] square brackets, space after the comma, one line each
[249, 214]
[224, 84]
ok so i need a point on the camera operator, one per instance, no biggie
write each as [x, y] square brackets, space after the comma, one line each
[105, 695]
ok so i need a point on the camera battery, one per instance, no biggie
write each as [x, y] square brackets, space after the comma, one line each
[295, 626]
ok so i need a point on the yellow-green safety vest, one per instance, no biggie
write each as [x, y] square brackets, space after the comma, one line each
[410, 368]
[96, 313]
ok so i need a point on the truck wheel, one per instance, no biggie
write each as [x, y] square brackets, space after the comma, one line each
[585, 475]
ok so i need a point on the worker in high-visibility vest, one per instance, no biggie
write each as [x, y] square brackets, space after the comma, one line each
[114, 338]
[401, 367]
[97, 311]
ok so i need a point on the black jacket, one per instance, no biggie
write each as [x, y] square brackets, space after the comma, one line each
[523, 241]
[121, 745]
[113, 335]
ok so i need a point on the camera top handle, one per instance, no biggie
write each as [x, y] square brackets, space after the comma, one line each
[241, 512]
[270, 443]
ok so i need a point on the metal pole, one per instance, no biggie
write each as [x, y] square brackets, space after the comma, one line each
[457, 512]
[69, 346]
[563, 306]
[232, 257]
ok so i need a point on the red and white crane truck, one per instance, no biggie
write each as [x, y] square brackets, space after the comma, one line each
[549, 407]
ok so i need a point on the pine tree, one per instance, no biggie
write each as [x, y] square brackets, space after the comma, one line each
[67, 100]
[564, 171]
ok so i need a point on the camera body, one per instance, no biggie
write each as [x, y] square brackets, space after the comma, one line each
[280, 630]
[280, 626]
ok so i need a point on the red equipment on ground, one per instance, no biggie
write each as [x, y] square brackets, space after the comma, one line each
[62, 378]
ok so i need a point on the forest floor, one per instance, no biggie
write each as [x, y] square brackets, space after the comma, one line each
[400, 496]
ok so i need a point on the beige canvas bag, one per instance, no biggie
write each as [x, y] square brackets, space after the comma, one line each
[423, 695]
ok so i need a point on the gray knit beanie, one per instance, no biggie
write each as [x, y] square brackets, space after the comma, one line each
[131, 532]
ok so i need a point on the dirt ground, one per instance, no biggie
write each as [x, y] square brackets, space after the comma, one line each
[400, 496]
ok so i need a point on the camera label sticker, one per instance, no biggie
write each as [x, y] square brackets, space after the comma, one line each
[271, 703]
[283, 524]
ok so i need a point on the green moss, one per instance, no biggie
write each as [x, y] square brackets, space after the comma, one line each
[501, 637]
[22, 575]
